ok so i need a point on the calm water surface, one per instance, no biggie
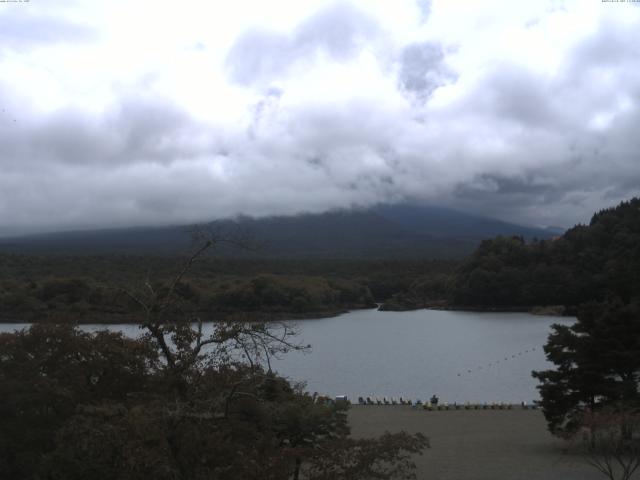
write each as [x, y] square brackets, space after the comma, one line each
[460, 356]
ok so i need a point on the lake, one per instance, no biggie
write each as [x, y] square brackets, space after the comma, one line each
[459, 356]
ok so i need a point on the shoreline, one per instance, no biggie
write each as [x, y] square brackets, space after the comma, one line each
[546, 310]
[124, 319]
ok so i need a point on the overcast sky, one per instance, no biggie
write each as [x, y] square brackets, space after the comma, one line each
[122, 113]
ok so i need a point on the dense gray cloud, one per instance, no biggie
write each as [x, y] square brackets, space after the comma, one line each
[262, 56]
[133, 131]
[422, 69]
[511, 93]
[340, 112]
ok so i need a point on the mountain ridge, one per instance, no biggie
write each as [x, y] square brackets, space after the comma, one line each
[386, 231]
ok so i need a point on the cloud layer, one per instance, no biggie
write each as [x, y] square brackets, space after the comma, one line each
[528, 114]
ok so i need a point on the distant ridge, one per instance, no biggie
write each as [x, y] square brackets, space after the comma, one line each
[390, 231]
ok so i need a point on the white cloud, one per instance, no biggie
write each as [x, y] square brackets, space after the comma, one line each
[126, 113]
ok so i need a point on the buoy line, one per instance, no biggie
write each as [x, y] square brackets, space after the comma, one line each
[496, 362]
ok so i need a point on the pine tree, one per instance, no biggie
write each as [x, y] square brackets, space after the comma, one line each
[597, 365]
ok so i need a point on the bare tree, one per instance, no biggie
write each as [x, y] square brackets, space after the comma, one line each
[611, 439]
[180, 337]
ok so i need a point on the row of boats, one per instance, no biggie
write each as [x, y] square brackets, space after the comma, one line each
[435, 404]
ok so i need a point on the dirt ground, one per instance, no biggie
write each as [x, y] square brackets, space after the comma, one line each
[478, 444]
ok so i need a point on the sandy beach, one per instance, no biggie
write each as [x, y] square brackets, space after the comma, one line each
[478, 444]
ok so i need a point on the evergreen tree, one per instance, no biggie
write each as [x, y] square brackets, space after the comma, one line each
[597, 365]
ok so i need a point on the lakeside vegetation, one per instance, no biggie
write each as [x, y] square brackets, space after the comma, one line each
[89, 289]
[588, 263]
[77, 405]
[175, 403]
[593, 262]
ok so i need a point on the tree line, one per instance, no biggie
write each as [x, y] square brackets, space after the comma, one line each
[89, 288]
[588, 263]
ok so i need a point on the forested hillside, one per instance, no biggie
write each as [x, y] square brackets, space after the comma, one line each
[93, 288]
[588, 263]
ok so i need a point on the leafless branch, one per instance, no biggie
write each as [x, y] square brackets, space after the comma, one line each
[612, 446]
[136, 299]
